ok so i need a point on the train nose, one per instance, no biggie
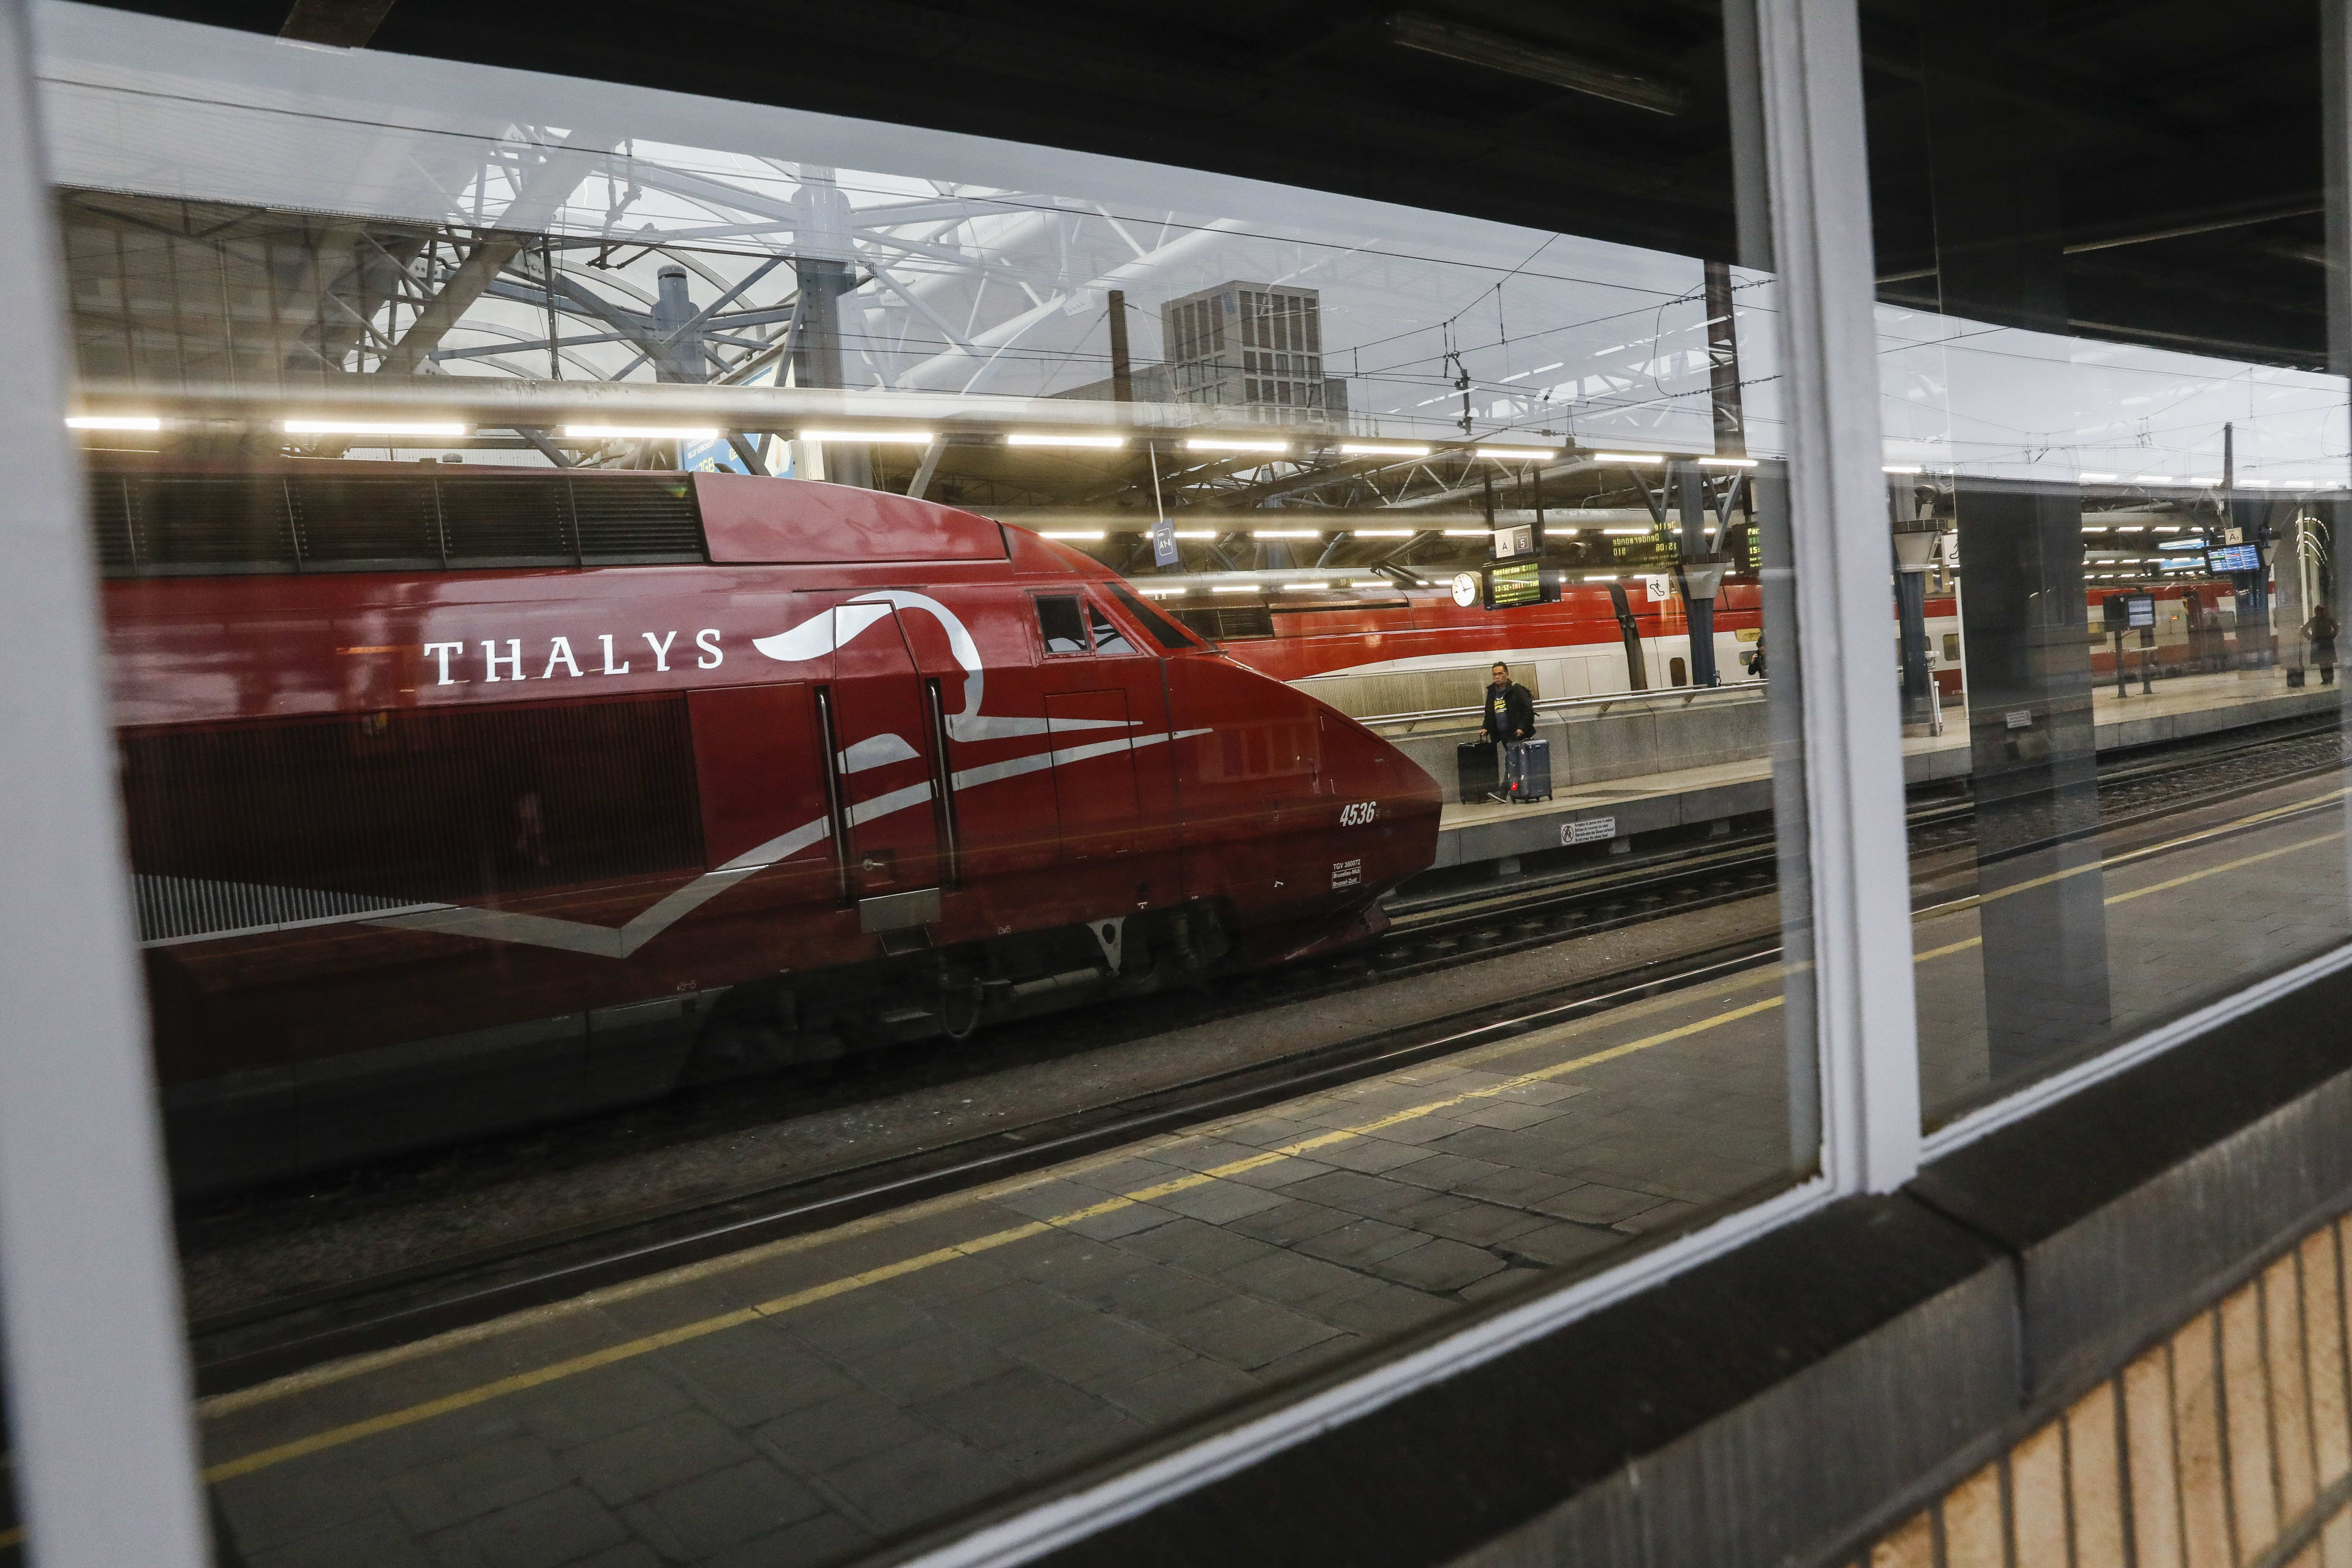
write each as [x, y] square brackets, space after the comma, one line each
[1387, 805]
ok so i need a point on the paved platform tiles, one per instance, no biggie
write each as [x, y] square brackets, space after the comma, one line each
[2228, 897]
[794, 1403]
[2177, 710]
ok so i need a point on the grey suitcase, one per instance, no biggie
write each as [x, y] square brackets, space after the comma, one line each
[1527, 771]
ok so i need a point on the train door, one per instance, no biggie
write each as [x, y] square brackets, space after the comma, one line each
[763, 798]
[1094, 774]
[1113, 783]
[880, 745]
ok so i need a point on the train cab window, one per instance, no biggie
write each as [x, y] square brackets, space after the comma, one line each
[1108, 638]
[1059, 623]
[1164, 632]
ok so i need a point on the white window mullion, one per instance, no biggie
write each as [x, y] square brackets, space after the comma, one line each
[1810, 63]
[97, 1369]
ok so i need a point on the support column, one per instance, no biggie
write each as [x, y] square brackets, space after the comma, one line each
[1697, 584]
[1998, 226]
[817, 358]
[1122, 370]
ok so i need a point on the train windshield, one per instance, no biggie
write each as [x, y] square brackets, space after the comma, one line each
[1108, 638]
[1164, 632]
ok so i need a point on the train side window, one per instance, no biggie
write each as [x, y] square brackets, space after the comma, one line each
[1108, 638]
[1059, 623]
[1164, 632]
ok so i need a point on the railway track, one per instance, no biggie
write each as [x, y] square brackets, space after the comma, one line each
[237, 1349]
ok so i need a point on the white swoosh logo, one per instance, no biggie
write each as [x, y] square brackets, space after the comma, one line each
[605, 941]
[827, 630]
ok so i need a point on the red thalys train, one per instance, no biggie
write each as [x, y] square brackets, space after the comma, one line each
[1580, 647]
[458, 800]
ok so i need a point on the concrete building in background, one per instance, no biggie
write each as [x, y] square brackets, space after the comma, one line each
[1250, 346]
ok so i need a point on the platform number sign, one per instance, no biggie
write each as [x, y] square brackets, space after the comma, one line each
[1163, 543]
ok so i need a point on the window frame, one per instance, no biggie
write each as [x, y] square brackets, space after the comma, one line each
[96, 1366]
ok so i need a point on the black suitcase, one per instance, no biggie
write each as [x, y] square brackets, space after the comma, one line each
[1527, 771]
[1475, 768]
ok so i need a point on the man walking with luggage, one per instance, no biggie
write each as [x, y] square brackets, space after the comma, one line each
[1510, 725]
[1511, 710]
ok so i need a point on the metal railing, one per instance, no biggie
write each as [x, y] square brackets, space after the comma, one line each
[1683, 696]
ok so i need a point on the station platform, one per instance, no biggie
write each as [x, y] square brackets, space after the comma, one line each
[1615, 809]
[799, 1403]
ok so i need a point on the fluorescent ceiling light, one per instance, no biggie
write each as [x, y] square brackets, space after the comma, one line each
[640, 433]
[1211, 444]
[2169, 528]
[2204, 479]
[1371, 583]
[1902, 468]
[1740, 463]
[113, 422]
[1196, 534]
[1518, 454]
[1028, 438]
[1380, 449]
[1629, 532]
[1601, 576]
[895, 437]
[1469, 533]
[1629, 457]
[1080, 534]
[1285, 533]
[1535, 62]
[1384, 533]
[2098, 479]
[1158, 593]
[1233, 588]
[2151, 478]
[1288, 587]
[365, 428]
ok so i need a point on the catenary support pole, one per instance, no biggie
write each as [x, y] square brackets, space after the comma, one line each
[1809, 57]
[97, 1371]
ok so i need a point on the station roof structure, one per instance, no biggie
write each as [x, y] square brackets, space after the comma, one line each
[2190, 203]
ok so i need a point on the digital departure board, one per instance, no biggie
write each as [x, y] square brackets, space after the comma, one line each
[1520, 583]
[2233, 558]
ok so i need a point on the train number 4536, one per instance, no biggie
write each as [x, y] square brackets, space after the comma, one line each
[1359, 813]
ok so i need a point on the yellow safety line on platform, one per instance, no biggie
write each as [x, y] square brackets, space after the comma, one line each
[644, 1344]
[215, 1406]
[1959, 906]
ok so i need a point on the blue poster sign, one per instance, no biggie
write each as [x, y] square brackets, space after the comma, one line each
[711, 456]
[1163, 543]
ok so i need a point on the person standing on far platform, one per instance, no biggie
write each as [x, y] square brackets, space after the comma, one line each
[1510, 710]
[2321, 631]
